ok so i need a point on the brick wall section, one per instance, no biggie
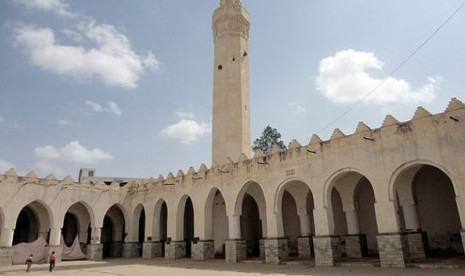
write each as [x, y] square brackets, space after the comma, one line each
[327, 250]
[417, 244]
[356, 245]
[262, 248]
[94, 252]
[305, 246]
[175, 250]
[152, 250]
[203, 250]
[393, 250]
[130, 249]
[6, 256]
[236, 250]
[276, 251]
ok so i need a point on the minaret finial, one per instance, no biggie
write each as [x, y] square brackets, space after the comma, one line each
[230, 3]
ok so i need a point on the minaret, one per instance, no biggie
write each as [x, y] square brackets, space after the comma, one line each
[231, 104]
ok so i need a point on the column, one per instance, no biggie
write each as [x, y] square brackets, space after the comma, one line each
[327, 247]
[54, 244]
[95, 248]
[6, 249]
[355, 243]
[235, 247]
[305, 240]
[417, 240]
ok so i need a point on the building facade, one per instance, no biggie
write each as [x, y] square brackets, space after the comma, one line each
[396, 191]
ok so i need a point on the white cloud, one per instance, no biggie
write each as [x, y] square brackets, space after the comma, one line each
[184, 115]
[5, 166]
[108, 55]
[56, 6]
[111, 107]
[345, 78]
[67, 123]
[296, 108]
[73, 152]
[186, 131]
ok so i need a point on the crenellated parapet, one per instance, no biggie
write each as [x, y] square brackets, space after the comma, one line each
[390, 135]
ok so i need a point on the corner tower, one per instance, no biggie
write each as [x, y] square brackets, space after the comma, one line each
[231, 110]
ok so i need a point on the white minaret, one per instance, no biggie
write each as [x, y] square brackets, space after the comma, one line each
[231, 104]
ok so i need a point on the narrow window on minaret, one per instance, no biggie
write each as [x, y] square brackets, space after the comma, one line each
[220, 67]
[234, 59]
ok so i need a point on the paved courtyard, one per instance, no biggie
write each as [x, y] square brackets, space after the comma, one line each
[194, 268]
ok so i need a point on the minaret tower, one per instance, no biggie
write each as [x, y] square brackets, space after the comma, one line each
[231, 104]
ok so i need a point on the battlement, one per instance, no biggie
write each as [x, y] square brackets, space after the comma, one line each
[390, 135]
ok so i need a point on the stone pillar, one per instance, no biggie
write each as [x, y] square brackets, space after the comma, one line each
[356, 245]
[462, 234]
[203, 250]
[54, 245]
[175, 250]
[417, 244]
[353, 225]
[305, 246]
[234, 227]
[261, 247]
[327, 250]
[409, 210]
[304, 225]
[393, 249]
[130, 249]
[152, 250]
[236, 250]
[6, 249]
[94, 251]
[6, 256]
[276, 251]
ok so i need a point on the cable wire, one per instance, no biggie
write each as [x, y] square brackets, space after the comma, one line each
[395, 70]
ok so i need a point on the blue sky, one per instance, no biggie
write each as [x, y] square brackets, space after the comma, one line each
[125, 86]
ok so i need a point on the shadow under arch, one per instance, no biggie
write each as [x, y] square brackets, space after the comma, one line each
[33, 220]
[427, 208]
[138, 226]
[113, 231]
[294, 204]
[84, 220]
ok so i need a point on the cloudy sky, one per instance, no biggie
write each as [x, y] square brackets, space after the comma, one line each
[125, 86]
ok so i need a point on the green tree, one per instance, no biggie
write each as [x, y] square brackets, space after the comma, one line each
[270, 137]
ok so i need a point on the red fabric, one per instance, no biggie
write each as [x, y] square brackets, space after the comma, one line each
[52, 258]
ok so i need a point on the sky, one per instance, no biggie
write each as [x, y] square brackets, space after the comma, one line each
[125, 87]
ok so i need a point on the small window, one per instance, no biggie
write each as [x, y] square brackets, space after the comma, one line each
[245, 107]
[234, 59]
[220, 67]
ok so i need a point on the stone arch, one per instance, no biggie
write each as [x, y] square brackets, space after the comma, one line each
[33, 220]
[251, 206]
[114, 231]
[426, 199]
[350, 201]
[294, 206]
[216, 224]
[85, 220]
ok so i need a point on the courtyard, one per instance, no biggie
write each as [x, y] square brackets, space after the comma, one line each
[138, 266]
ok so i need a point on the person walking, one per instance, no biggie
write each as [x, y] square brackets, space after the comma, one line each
[51, 261]
[29, 263]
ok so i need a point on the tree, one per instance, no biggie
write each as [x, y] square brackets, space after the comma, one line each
[270, 137]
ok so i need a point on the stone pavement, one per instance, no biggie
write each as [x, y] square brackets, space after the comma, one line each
[193, 268]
